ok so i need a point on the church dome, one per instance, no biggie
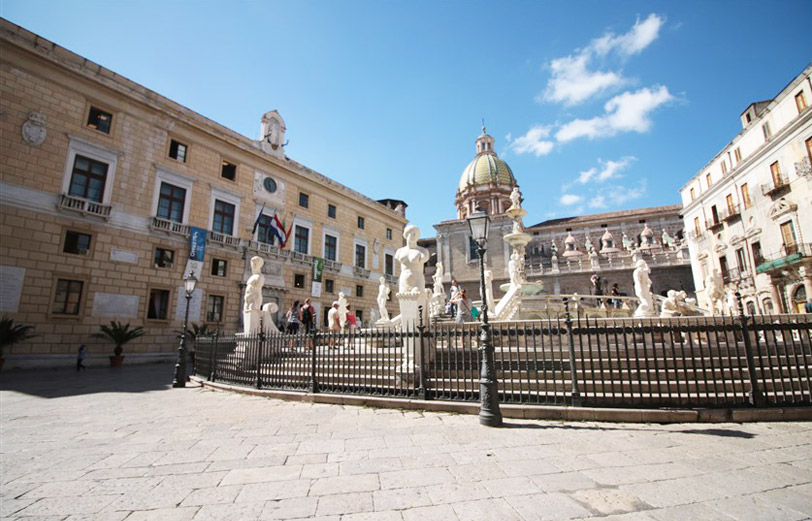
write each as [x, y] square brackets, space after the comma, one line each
[486, 169]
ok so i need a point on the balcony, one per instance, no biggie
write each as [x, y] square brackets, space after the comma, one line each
[84, 206]
[268, 249]
[778, 186]
[788, 255]
[390, 279]
[740, 276]
[803, 167]
[332, 266]
[171, 227]
[225, 240]
[714, 226]
[361, 273]
[301, 258]
[694, 235]
[732, 213]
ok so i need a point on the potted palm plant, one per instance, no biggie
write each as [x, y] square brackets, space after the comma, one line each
[119, 334]
[11, 333]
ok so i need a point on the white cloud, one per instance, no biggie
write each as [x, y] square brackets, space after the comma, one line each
[533, 142]
[598, 201]
[609, 169]
[627, 112]
[618, 195]
[573, 81]
[570, 199]
[586, 175]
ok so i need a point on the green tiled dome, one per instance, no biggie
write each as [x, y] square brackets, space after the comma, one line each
[486, 169]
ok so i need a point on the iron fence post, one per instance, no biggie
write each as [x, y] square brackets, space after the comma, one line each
[421, 389]
[212, 358]
[755, 396]
[214, 365]
[314, 383]
[575, 394]
[260, 343]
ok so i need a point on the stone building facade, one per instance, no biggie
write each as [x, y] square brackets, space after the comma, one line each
[745, 212]
[105, 185]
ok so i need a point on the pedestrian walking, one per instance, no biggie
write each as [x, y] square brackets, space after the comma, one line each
[455, 289]
[292, 319]
[80, 358]
[352, 321]
[463, 305]
[333, 324]
[307, 316]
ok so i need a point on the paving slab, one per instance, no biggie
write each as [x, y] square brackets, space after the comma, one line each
[123, 445]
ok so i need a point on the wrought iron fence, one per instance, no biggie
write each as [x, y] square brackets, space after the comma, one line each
[658, 362]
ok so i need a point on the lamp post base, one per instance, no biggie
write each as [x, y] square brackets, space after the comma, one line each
[489, 413]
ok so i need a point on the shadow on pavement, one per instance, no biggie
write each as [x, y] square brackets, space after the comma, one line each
[725, 433]
[54, 383]
[728, 433]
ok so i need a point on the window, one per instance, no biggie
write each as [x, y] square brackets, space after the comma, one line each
[765, 129]
[88, 179]
[697, 229]
[708, 180]
[724, 268]
[223, 217]
[388, 264]
[809, 148]
[330, 247]
[214, 308]
[360, 256]
[359, 316]
[329, 286]
[171, 202]
[331, 211]
[304, 200]
[800, 101]
[359, 291]
[164, 258]
[775, 171]
[99, 120]
[731, 206]
[746, 196]
[158, 304]
[788, 234]
[264, 232]
[177, 150]
[219, 267]
[693, 194]
[473, 253]
[68, 296]
[758, 258]
[738, 155]
[715, 214]
[228, 170]
[360, 223]
[301, 237]
[298, 280]
[76, 242]
[389, 234]
[741, 260]
[724, 167]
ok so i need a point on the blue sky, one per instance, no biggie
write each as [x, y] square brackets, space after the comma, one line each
[597, 106]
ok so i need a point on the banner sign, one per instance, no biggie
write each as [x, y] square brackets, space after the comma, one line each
[318, 268]
[197, 243]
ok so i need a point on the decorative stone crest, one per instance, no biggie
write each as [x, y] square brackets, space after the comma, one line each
[33, 130]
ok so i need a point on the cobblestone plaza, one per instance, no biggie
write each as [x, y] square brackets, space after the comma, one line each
[115, 445]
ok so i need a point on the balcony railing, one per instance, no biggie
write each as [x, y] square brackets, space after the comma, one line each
[695, 235]
[732, 213]
[803, 167]
[165, 225]
[776, 186]
[788, 254]
[84, 206]
[361, 272]
[332, 266]
[268, 249]
[714, 226]
[390, 279]
[301, 258]
[225, 240]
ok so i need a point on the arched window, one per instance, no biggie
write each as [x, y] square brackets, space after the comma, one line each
[799, 299]
[767, 306]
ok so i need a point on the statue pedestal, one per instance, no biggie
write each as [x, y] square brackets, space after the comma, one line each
[517, 240]
[410, 303]
[516, 213]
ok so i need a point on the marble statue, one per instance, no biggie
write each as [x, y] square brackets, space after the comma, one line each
[411, 258]
[383, 296]
[588, 245]
[730, 305]
[671, 306]
[342, 309]
[714, 292]
[438, 280]
[489, 290]
[517, 226]
[668, 241]
[628, 245]
[686, 305]
[515, 198]
[252, 302]
[513, 269]
[642, 289]
[553, 248]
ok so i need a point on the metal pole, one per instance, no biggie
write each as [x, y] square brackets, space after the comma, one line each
[314, 383]
[576, 395]
[755, 396]
[489, 413]
[180, 365]
[421, 390]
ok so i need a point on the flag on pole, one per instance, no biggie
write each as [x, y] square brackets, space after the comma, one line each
[279, 231]
[259, 218]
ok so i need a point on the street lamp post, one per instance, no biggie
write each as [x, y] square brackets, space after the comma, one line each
[489, 413]
[180, 367]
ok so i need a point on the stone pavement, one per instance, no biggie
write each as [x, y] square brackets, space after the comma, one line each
[112, 445]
